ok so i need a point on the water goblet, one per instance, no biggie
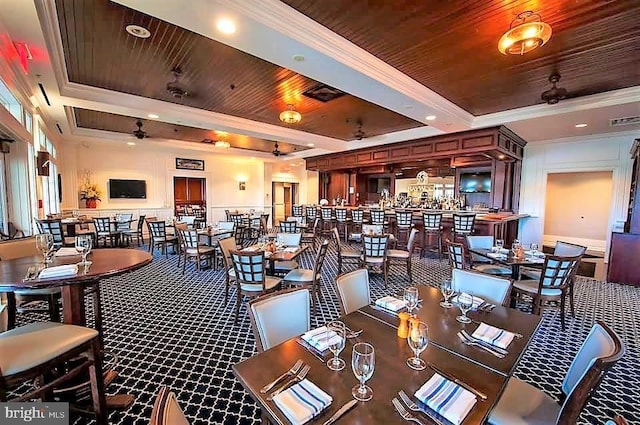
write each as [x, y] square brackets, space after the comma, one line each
[83, 246]
[363, 362]
[411, 298]
[44, 243]
[465, 302]
[335, 336]
[418, 340]
[499, 244]
[446, 287]
[534, 248]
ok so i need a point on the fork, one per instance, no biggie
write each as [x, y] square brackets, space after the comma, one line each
[414, 406]
[352, 334]
[403, 412]
[299, 377]
[475, 344]
[291, 372]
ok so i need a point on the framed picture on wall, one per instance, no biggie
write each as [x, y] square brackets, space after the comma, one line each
[189, 164]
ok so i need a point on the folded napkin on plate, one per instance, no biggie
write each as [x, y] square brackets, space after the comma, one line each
[536, 253]
[446, 398]
[497, 255]
[59, 271]
[302, 402]
[66, 252]
[291, 249]
[319, 338]
[391, 303]
[494, 336]
[536, 260]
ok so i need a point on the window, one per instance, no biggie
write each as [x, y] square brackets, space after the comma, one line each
[3, 198]
[10, 102]
[50, 202]
[28, 121]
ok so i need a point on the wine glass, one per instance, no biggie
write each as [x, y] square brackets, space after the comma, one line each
[534, 248]
[411, 298]
[335, 335]
[465, 301]
[44, 243]
[446, 287]
[83, 246]
[363, 362]
[418, 340]
[499, 244]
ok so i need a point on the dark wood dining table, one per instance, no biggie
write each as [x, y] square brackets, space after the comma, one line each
[213, 233]
[510, 260]
[391, 374]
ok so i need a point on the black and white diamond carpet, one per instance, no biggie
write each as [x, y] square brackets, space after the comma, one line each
[175, 330]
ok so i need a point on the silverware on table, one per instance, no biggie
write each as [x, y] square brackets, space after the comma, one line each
[291, 372]
[485, 343]
[404, 413]
[452, 378]
[341, 411]
[412, 405]
[515, 334]
[482, 347]
[299, 377]
[352, 334]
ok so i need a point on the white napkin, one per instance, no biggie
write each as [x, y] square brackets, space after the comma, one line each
[494, 336]
[446, 398]
[536, 260]
[497, 255]
[251, 249]
[302, 402]
[291, 249]
[319, 338]
[59, 271]
[66, 252]
[501, 250]
[391, 303]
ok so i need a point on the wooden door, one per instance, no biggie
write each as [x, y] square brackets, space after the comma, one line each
[287, 201]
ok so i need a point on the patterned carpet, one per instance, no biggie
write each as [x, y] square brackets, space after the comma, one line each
[175, 330]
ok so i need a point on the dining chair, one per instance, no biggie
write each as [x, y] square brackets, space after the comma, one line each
[457, 255]
[483, 264]
[104, 232]
[309, 237]
[251, 277]
[345, 254]
[355, 226]
[227, 246]
[522, 403]
[307, 278]
[159, 237]
[54, 228]
[311, 212]
[353, 290]
[226, 225]
[166, 410]
[34, 350]
[463, 225]
[554, 284]
[431, 227]
[287, 226]
[563, 249]
[374, 253]
[403, 226]
[238, 220]
[342, 221]
[265, 223]
[492, 289]
[297, 211]
[191, 249]
[279, 316]
[288, 240]
[402, 255]
[137, 232]
[84, 229]
[327, 220]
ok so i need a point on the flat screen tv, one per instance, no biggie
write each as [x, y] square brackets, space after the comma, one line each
[377, 184]
[133, 189]
[475, 183]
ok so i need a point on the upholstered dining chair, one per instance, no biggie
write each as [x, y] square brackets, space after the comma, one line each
[191, 249]
[307, 278]
[345, 253]
[483, 264]
[136, 232]
[522, 403]
[228, 245]
[166, 410]
[279, 316]
[33, 350]
[374, 253]
[431, 227]
[104, 232]
[456, 254]
[158, 237]
[490, 288]
[251, 277]
[405, 256]
[288, 240]
[353, 290]
[563, 249]
[554, 284]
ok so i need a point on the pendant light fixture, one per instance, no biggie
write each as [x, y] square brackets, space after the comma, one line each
[526, 33]
[290, 116]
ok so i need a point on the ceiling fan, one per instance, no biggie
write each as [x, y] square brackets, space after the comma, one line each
[554, 94]
[139, 133]
[276, 151]
[174, 88]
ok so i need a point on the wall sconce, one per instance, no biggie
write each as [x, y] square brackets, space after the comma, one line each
[242, 185]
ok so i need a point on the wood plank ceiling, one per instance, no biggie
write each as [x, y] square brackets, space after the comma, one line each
[86, 118]
[99, 52]
[451, 46]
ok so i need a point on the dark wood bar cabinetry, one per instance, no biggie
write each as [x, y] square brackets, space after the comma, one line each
[625, 246]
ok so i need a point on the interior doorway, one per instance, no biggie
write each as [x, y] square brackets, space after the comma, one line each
[284, 196]
[189, 195]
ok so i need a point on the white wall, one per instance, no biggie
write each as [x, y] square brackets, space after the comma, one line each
[593, 153]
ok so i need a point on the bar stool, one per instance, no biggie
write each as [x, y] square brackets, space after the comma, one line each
[327, 220]
[462, 226]
[404, 224]
[357, 220]
[297, 211]
[342, 222]
[311, 212]
[431, 226]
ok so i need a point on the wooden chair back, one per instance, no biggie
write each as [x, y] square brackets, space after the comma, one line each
[357, 216]
[18, 248]
[54, 227]
[432, 221]
[102, 224]
[297, 210]
[341, 215]
[557, 272]
[377, 217]
[249, 267]
[456, 252]
[311, 212]
[404, 219]
[158, 229]
[375, 246]
[320, 256]
[140, 226]
[463, 223]
[326, 213]
[288, 226]
[188, 238]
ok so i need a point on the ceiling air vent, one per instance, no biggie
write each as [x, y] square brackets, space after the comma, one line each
[616, 122]
[323, 93]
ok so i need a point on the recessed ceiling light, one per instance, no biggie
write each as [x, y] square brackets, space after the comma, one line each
[298, 58]
[153, 116]
[500, 156]
[138, 31]
[430, 117]
[310, 145]
[226, 26]
[131, 143]
[580, 125]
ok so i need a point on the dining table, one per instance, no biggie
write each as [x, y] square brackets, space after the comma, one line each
[213, 234]
[484, 373]
[281, 254]
[507, 258]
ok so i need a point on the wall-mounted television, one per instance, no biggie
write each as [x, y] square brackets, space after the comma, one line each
[475, 183]
[377, 184]
[133, 189]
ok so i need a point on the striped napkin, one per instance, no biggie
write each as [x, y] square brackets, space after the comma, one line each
[391, 303]
[302, 402]
[58, 271]
[446, 398]
[319, 338]
[494, 336]
[66, 252]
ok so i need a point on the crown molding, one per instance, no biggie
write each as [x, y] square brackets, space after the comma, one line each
[592, 137]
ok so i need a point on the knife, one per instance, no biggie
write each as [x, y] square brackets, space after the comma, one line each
[452, 378]
[341, 411]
